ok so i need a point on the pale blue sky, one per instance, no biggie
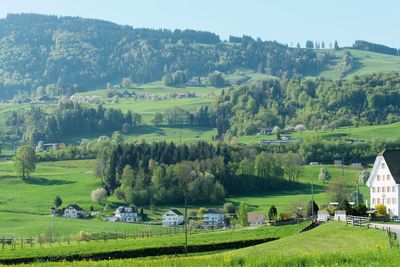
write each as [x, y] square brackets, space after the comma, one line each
[287, 21]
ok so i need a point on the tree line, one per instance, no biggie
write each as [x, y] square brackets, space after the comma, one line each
[67, 118]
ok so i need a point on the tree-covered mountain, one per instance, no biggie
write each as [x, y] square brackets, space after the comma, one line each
[69, 54]
[315, 104]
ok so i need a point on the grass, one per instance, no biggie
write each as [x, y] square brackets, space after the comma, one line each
[213, 237]
[365, 62]
[331, 244]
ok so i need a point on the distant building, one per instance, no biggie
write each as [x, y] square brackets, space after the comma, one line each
[172, 217]
[214, 218]
[323, 216]
[73, 211]
[194, 81]
[126, 214]
[340, 215]
[256, 219]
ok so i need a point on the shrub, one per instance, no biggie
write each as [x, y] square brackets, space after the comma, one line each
[381, 210]
[229, 207]
[83, 236]
[99, 196]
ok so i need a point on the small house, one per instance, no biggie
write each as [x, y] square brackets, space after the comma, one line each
[172, 217]
[214, 218]
[340, 215]
[73, 211]
[256, 219]
[126, 214]
[323, 216]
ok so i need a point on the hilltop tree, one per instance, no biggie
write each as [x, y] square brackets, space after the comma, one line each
[126, 82]
[309, 44]
[25, 161]
[336, 46]
[312, 206]
[99, 196]
[158, 119]
[229, 207]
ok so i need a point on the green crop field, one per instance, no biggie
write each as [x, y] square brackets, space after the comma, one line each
[331, 244]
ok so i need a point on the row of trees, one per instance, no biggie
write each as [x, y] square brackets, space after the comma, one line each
[67, 118]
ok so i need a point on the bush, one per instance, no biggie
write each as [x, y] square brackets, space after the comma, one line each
[83, 236]
[229, 207]
[99, 196]
[381, 210]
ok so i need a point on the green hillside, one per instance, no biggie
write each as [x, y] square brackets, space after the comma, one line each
[365, 62]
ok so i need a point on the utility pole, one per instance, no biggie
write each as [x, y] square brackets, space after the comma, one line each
[186, 220]
[357, 189]
[312, 201]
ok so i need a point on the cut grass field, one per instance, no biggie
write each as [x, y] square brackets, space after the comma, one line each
[331, 244]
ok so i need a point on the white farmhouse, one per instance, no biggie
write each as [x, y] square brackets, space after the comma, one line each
[384, 181]
[126, 214]
[73, 211]
[214, 218]
[172, 217]
[340, 215]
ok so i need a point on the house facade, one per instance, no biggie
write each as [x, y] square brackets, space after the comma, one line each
[73, 211]
[323, 216]
[340, 215]
[172, 217]
[384, 181]
[256, 219]
[126, 214]
[214, 218]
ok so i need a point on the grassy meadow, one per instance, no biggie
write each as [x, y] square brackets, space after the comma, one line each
[331, 244]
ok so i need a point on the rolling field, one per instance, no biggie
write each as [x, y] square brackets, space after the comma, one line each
[331, 244]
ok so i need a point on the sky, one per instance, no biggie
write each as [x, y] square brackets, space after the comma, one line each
[286, 21]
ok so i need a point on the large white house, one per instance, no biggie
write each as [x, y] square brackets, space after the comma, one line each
[126, 214]
[172, 217]
[73, 211]
[213, 218]
[384, 181]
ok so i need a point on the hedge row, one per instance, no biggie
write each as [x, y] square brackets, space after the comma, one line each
[142, 252]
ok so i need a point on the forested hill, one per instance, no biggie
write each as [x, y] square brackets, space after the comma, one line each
[73, 54]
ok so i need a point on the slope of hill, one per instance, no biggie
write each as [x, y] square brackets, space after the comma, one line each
[365, 62]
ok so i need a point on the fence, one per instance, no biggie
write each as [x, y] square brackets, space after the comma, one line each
[13, 243]
[357, 220]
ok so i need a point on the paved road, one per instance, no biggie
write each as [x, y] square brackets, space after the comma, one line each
[393, 227]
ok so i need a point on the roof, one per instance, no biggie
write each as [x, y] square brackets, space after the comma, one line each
[177, 212]
[214, 211]
[122, 209]
[75, 206]
[256, 217]
[340, 212]
[392, 158]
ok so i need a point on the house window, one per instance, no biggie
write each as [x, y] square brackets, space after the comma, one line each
[383, 189]
[378, 201]
[393, 189]
[388, 189]
[373, 201]
[388, 177]
[388, 201]
[383, 165]
[373, 189]
[394, 200]
[378, 177]
[379, 189]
